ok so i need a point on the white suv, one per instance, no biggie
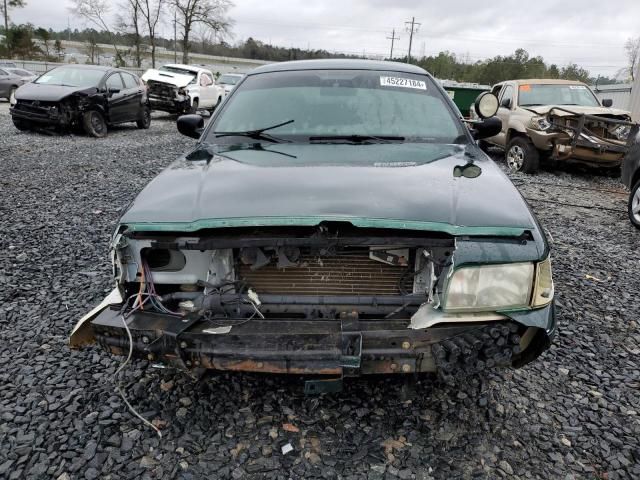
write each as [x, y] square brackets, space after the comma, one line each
[182, 89]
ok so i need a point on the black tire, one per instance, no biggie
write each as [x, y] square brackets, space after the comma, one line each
[634, 205]
[144, 122]
[94, 124]
[522, 156]
[22, 125]
[194, 106]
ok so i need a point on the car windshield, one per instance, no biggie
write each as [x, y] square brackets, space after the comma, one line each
[316, 104]
[72, 77]
[229, 79]
[22, 73]
[562, 94]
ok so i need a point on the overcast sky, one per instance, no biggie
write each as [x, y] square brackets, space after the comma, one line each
[588, 32]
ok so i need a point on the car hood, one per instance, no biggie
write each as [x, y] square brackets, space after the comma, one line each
[544, 109]
[47, 93]
[409, 186]
[175, 79]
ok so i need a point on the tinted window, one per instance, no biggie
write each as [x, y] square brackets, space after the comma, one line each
[114, 81]
[129, 80]
[72, 77]
[341, 102]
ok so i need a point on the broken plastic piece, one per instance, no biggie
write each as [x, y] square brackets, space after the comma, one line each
[287, 448]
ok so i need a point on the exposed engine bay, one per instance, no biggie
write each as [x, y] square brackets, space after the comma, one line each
[320, 276]
[590, 138]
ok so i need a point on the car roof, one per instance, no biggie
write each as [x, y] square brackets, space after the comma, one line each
[104, 68]
[543, 81]
[338, 64]
[186, 67]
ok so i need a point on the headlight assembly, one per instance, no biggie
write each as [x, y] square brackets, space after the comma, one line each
[621, 132]
[499, 287]
[540, 123]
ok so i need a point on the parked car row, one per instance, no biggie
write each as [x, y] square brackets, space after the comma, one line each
[91, 98]
[11, 78]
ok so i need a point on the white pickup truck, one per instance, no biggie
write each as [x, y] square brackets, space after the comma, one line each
[182, 89]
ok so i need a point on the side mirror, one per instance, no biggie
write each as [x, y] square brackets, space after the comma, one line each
[191, 125]
[487, 127]
[607, 102]
[506, 103]
[486, 105]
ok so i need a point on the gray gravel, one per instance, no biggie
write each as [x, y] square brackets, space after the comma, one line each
[575, 413]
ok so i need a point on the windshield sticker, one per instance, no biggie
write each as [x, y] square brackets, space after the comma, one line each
[577, 87]
[525, 88]
[403, 82]
[451, 94]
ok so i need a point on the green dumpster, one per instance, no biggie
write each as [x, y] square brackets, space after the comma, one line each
[464, 95]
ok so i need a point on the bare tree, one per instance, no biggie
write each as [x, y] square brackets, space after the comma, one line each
[130, 24]
[212, 13]
[206, 35]
[4, 8]
[91, 49]
[632, 47]
[151, 11]
[97, 12]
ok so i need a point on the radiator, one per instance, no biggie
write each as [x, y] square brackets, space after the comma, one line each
[352, 273]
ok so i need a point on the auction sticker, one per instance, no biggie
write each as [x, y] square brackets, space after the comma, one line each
[403, 83]
[577, 87]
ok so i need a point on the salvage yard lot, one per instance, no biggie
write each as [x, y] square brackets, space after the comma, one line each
[575, 413]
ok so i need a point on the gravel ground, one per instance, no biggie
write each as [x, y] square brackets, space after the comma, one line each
[575, 413]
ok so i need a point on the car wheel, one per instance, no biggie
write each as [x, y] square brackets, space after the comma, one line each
[145, 120]
[22, 125]
[522, 156]
[194, 106]
[634, 205]
[94, 124]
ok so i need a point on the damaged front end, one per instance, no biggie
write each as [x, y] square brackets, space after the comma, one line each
[64, 114]
[168, 97]
[332, 300]
[601, 140]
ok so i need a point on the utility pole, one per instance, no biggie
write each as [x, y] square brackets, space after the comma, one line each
[413, 29]
[175, 36]
[393, 38]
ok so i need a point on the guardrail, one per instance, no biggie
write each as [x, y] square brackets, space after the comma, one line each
[40, 67]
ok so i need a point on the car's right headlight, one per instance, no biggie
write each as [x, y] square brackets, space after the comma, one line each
[499, 287]
[540, 123]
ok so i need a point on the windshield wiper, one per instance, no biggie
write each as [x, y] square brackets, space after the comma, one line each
[357, 138]
[256, 134]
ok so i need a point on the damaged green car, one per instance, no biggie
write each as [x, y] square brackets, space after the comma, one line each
[335, 218]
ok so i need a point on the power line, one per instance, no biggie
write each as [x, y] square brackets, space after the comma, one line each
[393, 38]
[414, 29]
